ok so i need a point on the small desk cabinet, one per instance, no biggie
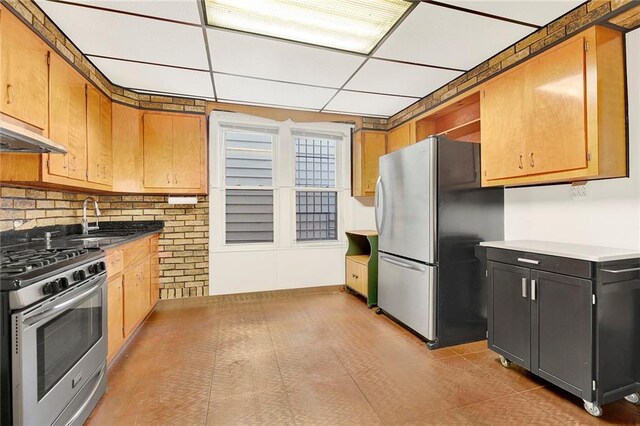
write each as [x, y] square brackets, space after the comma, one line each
[569, 317]
[361, 267]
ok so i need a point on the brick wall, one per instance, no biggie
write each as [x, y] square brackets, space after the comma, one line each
[184, 244]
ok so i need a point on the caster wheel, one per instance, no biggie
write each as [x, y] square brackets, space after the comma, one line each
[505, 362]
[378, 311]
[633, 398]
[593, 409]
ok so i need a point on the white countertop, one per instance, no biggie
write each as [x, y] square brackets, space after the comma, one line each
[573, 251]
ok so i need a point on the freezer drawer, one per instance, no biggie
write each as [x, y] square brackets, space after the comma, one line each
[406, 292]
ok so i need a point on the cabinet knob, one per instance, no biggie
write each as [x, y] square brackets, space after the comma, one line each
[520, 165]
[9, 94]
[531, 160]
[175, 179]
[168, 178]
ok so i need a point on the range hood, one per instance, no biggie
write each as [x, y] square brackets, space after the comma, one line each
[17, 139]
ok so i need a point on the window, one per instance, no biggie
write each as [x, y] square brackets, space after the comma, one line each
[278, 185]
[316, 207]
[249, 186]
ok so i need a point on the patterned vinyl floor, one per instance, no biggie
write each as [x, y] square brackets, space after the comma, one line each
[317, 359]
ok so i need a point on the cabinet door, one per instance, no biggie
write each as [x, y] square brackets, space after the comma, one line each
[136, 296]
[154, 269]
[99, 155]
[187, 159]
[556, 137]
[77, 127]
[24, 89]
[158, 150]
[503, 126]
[127, 147]
[352, 270]
[561, 331]
[399, 138]
[509, 312]
[59, 124]
[115, 330]
[373, 147]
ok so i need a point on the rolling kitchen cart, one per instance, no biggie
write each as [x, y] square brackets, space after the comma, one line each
[361, 265]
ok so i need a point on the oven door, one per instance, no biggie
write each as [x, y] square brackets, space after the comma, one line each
[59, 347]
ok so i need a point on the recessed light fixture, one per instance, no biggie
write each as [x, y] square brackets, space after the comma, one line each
[352, 25]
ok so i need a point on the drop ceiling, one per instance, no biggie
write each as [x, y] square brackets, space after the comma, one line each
[163, 47]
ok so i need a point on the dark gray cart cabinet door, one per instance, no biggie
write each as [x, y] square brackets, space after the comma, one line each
[509, 312]
[561, 331]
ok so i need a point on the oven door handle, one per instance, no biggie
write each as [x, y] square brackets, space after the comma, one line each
[62, 306]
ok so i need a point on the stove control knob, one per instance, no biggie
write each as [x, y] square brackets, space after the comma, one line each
[63, 283]
[55, 287]
[46, 289]
[101, 266]
[93, 269]
[79, 275]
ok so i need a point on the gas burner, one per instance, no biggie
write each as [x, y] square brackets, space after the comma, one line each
[16, 262]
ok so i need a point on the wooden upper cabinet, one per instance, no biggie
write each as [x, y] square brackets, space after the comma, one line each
[556, 109]
[126, 149]
[24, 91]
[503, 126]
[99, 150]
[67, 120]
[174, 153]
[399, 137]
[562, 111]
[368, 147]
[158, 150]
[187, 161]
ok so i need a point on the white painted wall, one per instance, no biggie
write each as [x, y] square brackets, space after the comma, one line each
[610, 213]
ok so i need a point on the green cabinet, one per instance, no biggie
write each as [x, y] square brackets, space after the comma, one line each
[361, 265]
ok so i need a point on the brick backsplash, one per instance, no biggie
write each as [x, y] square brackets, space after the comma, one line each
[184, 244]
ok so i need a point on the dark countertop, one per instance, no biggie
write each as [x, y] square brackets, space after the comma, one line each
[110, 235]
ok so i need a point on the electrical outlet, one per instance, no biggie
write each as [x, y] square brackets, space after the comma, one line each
[578, 190]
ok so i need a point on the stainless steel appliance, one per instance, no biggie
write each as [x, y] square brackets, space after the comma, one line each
[54, 334]
[430, 214]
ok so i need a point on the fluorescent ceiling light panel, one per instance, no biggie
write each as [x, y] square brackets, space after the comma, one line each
[355, 26]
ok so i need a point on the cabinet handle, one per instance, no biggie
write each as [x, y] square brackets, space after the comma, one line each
[524, 287]
[520, 165]
[531, 261]
[619, 271]
[533, 289]
[9, 94]
[168, 178]
[175, 179]
[531, 160]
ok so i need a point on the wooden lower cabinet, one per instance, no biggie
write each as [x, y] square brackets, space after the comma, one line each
[136, 296]
[356, 277]
[134, 273]
[115, 324]
[361, 264]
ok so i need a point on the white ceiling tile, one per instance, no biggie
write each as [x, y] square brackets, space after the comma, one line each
[538, 12]
[249, 55]
[128, 37]
[437, 35]
[399, 79]
[270, 92]
[156, 78]
[176, 10]
[368, 104]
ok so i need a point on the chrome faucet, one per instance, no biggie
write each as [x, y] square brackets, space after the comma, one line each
[85, 222]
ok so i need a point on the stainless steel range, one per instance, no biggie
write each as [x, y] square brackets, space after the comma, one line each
[54, 335]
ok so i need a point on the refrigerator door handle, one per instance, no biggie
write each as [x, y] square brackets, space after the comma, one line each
[379, 205]
[403, 264]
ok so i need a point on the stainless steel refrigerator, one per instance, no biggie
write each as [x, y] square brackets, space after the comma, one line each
[430, 213]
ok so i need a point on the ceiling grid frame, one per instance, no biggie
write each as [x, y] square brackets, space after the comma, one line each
[339, 90]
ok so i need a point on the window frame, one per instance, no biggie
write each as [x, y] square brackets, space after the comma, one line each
[283, 179]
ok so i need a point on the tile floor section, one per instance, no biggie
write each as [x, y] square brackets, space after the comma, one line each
[317, 359]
